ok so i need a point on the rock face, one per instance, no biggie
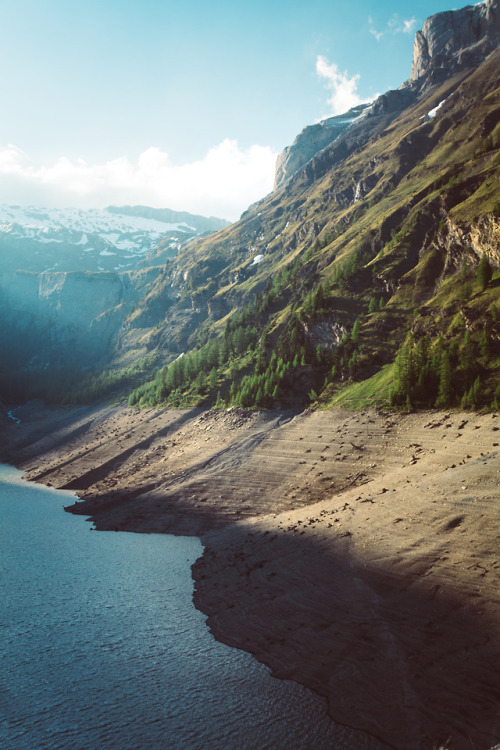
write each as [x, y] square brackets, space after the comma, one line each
[310, 141]
[59, 310]
[447, 43]
[455, 39]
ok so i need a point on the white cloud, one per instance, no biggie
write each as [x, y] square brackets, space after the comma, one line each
[409, 25]
[373, 31]
[224, 183]
[395, 25]
[343, 87]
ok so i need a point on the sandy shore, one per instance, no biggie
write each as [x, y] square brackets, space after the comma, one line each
[358, 554]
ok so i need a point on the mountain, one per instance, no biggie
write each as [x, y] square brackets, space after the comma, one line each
[312, 140]
[111, 239]
[456, 39]
[69, 280]
[369, 246]
[369, 275]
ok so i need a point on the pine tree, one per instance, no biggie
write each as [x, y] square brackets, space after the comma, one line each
[355, 331]
[476, 392]
[352, 363]
[484, 272]
[261, 362]
[404, 373]
[485, 342]
[468, 359]
[212, 378]
[318, 299]
[445, 381]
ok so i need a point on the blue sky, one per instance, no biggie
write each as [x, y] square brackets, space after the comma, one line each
[181, 104]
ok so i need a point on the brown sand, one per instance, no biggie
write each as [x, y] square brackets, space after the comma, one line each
[358, 554]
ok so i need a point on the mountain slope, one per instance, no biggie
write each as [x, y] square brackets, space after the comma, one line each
[382, 231]
[65, 293]
[369, 275]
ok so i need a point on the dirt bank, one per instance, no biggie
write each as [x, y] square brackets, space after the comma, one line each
[356, 553]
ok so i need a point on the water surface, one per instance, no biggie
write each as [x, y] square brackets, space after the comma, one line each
[101, 646]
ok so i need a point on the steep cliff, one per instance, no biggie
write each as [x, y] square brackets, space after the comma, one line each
[450, 41]
[310, 141]
[61, 320]
[386, 238]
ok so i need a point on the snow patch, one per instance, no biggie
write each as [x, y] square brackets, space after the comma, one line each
[97, 231]
[432, 112]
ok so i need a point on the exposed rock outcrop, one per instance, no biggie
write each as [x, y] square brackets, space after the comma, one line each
[57, 309]
[448, 42]
[310, 142]
[455, 39]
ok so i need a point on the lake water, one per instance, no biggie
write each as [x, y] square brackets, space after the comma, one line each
[101, 646]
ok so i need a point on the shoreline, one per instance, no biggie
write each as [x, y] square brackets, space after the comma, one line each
[355, 553]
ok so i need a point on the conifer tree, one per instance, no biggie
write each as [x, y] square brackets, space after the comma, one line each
[355, 331]
[445, 381]
[318, 299]
[484, 272]
[468, 359]
[485, 342]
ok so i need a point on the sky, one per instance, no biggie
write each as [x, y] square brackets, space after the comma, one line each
[183, 105]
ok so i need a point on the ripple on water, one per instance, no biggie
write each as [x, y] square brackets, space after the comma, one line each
[103, 648]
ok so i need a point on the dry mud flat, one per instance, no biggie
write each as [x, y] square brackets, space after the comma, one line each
[358, 554]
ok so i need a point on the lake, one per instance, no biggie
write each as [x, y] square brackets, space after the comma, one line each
[102, 647]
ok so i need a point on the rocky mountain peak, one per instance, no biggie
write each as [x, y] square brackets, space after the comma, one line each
[447, 43]
[455, 39]
[310, 141]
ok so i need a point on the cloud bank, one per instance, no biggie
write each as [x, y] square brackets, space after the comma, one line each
[224, 183]
[343, 87]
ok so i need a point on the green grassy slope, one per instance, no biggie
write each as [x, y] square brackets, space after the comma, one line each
[373, 248]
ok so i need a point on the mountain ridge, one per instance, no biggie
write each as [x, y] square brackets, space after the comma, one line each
[447, 43]
[452, 40]
[109, 239]
[372, 213]
[374, 240]
[370, 279]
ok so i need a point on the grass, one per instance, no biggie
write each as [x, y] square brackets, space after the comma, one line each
[371, 392]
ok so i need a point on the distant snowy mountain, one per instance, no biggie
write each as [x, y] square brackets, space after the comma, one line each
[110, 239]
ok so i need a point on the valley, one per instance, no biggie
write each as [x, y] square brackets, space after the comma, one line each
[313, 390]
[373, 265]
